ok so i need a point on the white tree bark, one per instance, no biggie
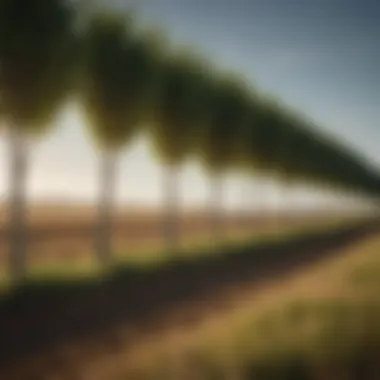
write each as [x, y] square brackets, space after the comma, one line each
[171, 223]
[216, 209]
[103, 237]
[17, 204]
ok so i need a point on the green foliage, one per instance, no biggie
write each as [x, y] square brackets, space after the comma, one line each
[271, 135]
[180, 110]
[117, 81]
[228, 102]
[269, 139]
[37, 55]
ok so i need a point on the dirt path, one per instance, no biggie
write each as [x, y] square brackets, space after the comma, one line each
[147, 302]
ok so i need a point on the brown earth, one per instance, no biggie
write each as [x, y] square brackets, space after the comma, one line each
[36, 334]
[64, 234]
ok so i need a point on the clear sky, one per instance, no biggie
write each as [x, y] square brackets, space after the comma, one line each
[320, 56]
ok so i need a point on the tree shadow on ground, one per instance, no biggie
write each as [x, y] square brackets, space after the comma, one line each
[37, 316]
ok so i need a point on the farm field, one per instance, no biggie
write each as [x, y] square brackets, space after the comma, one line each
[109, 324]
[62, 236]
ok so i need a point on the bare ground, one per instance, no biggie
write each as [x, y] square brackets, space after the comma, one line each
[64, 234]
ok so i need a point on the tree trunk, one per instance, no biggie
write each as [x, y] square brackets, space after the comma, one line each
[106, 202]
[17, 204]
[276, 212]
[246, 198]
[216, 209]
[171, 213]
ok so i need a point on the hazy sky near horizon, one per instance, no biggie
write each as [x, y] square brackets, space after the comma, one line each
[319, 56]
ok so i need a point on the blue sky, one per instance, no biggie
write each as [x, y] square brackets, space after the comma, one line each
[319, 56]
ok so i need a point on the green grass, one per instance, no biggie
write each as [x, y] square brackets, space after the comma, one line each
[333, 334]
[367, 275]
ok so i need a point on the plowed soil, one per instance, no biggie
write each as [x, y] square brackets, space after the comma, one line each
[59, 234]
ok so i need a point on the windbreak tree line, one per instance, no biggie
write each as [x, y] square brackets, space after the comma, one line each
[130, 81]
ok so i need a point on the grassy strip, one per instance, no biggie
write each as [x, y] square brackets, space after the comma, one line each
[329, 332]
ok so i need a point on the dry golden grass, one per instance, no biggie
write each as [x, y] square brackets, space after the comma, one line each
[285, 317]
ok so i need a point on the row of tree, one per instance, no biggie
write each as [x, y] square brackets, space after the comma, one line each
[130, 80]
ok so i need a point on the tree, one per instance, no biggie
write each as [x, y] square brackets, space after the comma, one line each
[285, 146]
[217, 146]
[249, 157]
[37, 43]
[116, 93]
[180, 113]
[265, 139]
[244, 145]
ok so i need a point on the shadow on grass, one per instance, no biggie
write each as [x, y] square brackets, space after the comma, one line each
[344, 346]
[38, 314]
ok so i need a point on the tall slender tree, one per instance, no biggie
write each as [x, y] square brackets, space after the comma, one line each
[218, 139]
[246, 159]
[36, 54]
[180, 113]
[116, 92]
[287, 146]
[265, 139]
